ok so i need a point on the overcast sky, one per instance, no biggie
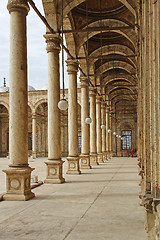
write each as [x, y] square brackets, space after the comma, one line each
[37, 55]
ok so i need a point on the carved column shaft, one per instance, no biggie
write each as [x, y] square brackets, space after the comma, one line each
[54, 163]
[107, 133]
[85, 148]
[73, 158]
[110, 136]
[99, 130]
[93, 144]
[18, 173]
[104, 132]
[34, 135]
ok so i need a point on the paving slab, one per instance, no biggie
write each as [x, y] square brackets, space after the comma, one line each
[101, 203]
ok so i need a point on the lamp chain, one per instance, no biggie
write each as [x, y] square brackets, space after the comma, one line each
[63, 56]
[87, 59]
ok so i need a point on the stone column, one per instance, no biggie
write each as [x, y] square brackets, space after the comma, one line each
[54, 162]
[104, 132]
[43, 147]
[93, 146]
[19, 172]
[34, 135]
[85, 158]
[73, 158]
[110, 136]
[99, 130]
[107, 133]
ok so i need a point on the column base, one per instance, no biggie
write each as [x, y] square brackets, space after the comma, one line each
[100, 157]
[43, 153]
[54, 171]
[34, 155]
[104, 156]
[109, 155]
[85, 161]
[18, 184]
[73, 165]
[93, 159]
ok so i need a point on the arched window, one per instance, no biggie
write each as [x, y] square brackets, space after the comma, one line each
[126, 139]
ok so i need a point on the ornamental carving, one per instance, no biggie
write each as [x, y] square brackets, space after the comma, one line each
[15, 183]
[52, 171]
[53, 43]
[72, 165]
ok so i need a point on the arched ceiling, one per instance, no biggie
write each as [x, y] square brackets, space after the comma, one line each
[106, 30]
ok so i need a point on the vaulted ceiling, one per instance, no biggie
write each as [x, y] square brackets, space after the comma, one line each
[102, 34]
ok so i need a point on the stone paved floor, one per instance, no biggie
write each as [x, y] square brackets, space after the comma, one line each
[100, 204]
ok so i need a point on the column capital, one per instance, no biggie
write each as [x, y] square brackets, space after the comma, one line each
[103, 105]
[18, 5]
[98, 99]
[107, 109]
[72, 66]
[33, 115]
[53, 42]
[84, 82]
[92, 91]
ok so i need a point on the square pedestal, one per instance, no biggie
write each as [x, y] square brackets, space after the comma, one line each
[18, 184]
[104, 156]
[54, 171]
[100, 157]
[93, 159]
[34, 155]
[73, 165]
[85, 161]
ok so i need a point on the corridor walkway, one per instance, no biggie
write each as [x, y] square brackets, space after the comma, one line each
[100, 204]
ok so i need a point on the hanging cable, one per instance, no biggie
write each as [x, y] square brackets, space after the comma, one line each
[88, 119]
[62, 104]
[101, 76]
[63, 56]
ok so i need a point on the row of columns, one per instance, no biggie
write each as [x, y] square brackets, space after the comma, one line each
[19, 173]
[149, 113]
[89, 144]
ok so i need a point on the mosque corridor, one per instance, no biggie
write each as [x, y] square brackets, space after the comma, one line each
[101, 203]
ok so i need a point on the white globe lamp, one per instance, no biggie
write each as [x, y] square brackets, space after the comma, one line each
[88, 120]
[103, 126]
[63, 104]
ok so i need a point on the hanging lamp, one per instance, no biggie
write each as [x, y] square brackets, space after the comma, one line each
[102, 125]
[63, 104]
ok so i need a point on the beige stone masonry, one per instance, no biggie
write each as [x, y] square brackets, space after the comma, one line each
[99, 130]
[54, 171]
[18, 184]
[93, 146]
[85, 148]
[73, 165]
[73, 158]
[54, 163]
[103, 113]
[18, 174]
[34, 136]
